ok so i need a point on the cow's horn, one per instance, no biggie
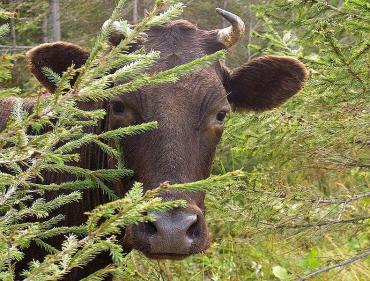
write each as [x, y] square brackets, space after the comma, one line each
[232, 34]
[116, 35]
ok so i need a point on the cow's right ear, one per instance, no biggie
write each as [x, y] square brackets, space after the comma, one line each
[265, 82]
[58, 57]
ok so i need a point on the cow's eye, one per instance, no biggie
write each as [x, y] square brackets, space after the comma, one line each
[118, 107]
[221, 116]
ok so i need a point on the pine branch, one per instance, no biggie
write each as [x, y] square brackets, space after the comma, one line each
[358, 257]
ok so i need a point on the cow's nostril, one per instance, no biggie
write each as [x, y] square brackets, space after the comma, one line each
[178, 232]
[150, 228]
[194, 230]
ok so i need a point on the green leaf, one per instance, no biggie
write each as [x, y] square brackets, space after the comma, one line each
[280, 272]
[311, 260]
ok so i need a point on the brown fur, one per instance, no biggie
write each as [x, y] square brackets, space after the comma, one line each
[57, 56]
[6, 107]
[266, 82]
[182, 148]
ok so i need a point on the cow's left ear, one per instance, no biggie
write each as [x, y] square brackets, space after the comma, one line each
[58, 57]
[265, 83]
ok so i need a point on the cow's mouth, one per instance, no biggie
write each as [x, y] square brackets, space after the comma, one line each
[166, 256]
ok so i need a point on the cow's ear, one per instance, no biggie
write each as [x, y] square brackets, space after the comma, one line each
[58, 57]
[265, 82]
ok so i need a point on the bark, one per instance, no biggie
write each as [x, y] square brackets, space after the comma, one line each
[146, 6]
[249, 25]
[225, 23]
[55, 19]
[134, 12]
[44, 28]
[13, 35]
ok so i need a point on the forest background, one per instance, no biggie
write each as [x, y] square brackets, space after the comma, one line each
[305, 203]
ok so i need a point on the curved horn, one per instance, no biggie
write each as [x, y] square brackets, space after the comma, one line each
[117, 35]
[232, 34]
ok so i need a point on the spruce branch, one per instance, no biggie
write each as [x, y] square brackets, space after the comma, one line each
[47, 138]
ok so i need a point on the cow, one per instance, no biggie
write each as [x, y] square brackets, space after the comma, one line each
[190, 115]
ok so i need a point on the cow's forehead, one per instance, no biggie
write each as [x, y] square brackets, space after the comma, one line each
[180, 42]
[189, 91]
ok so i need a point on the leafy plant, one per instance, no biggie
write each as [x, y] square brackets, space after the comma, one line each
[48, 139]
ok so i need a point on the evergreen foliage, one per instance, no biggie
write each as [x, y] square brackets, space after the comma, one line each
[306, 204]
[58, 129]
[308, 161]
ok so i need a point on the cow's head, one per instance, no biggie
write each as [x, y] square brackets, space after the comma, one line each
[191, 116]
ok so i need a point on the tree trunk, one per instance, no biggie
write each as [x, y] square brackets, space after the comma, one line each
[134, 12]
[12, 26]
[55, 19]
[225, 23]
[249, 28]
[44, 28]
[146, 6]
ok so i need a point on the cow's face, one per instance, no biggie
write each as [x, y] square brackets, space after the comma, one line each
[190, 115]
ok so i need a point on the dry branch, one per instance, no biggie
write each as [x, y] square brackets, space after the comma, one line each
[358, 257]
[320, 224]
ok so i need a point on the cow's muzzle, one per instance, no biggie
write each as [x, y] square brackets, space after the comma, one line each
[174, 234]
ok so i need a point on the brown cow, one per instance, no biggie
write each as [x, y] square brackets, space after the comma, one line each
[191, 117]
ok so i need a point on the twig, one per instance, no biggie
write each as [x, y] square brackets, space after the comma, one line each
[339, 264]
[325, 223]
[16, 48]
[344, 200]
[344, 61]
[339, 11]
[339, 200]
